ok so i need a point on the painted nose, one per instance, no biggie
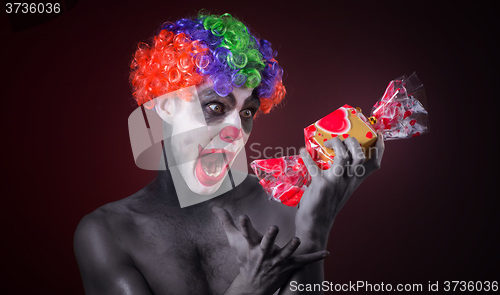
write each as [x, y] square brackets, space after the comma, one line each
[230, 134]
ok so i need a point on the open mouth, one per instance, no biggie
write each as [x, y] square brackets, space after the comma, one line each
[212, 165]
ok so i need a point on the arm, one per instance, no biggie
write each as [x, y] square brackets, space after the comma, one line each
[104, 266]
[329, 191]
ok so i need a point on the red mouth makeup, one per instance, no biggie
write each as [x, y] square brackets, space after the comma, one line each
[212, 165]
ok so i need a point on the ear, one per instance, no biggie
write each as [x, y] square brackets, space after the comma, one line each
[165, 108]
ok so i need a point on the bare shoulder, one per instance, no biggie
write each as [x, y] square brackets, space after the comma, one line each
[104, 263]
[103, 222]
[98, 233]
[110, 224]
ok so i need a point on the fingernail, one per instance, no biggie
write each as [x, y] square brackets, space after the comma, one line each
[273, 228]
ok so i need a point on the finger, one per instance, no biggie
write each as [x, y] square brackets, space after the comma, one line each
[341, 153]
[341, 157]
[311, 166]
[268, 240]
[289, 249]
[376, 154]
[226, 219]
[357, 155]
[248, 231]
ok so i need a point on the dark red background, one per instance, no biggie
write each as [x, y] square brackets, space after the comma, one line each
[429, 214]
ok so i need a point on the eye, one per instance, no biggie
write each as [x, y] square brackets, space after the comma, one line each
[216, 107]
[246, 113]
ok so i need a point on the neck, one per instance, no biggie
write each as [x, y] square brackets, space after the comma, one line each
[167, 195]
[165, 187]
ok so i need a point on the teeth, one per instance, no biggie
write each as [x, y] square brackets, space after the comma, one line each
[218, 170]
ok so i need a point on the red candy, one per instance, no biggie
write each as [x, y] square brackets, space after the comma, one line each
[397, 115]
[283, 178]
[336, 122]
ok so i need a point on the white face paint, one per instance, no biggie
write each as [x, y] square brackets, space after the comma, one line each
[208, 132]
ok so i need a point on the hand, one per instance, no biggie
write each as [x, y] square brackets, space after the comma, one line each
[330, 189]
[264, 266]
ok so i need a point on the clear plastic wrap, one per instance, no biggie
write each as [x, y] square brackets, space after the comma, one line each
[398, 114]
[283, 178]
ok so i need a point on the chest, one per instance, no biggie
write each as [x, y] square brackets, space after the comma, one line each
[177, 257]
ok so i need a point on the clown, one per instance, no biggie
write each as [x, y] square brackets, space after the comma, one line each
[199, 84]
[207, 78]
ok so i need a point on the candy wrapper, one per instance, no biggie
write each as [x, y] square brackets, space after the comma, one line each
[283, 178]
[399, 114]
[342, 123]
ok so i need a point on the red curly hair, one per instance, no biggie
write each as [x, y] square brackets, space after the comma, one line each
[174, 61]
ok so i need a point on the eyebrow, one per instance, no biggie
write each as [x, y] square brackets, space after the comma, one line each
[232, 100]
[252, 100]
[211, 94]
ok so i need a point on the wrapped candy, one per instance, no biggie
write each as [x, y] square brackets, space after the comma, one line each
[283, 178]
[342, 123]
[398, 114]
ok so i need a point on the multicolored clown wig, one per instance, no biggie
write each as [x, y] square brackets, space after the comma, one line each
[219, 49]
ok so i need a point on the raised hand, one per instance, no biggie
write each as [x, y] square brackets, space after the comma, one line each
[330, 189]
[263, 265]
